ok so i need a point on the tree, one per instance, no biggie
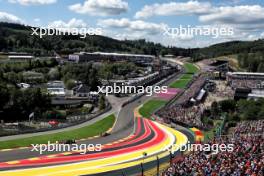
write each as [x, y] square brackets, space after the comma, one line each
[163, 52]
[70, 84]
[28, 101]
[102, 102]
[228, 105]
[261, 67]
[214, 109]
[54, 74]
[251, 113]
[4, 96]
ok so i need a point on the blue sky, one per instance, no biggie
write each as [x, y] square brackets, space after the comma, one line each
[149, 19]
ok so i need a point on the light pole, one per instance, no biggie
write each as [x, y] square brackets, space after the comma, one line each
[158, 165]
[123, 174]
[170, 158]
[142, 166]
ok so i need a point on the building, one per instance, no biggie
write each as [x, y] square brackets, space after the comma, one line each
[83, 91]
[115, 57]
[246, 80]
[20, 57]
[56, 88]
[23, 85]
[246, 84]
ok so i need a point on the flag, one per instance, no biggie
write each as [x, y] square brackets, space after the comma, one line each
[31, 115]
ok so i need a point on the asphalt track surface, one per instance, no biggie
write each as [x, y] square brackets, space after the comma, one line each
[122, 151]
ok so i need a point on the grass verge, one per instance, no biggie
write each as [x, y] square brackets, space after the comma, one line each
[88, 131]
[149, 107]
[191, 68]
[182, 82]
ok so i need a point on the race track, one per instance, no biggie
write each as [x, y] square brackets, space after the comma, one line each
[150, 138]
[134, 142]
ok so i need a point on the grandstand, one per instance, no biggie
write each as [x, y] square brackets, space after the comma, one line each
[253, 83]
[103, 56]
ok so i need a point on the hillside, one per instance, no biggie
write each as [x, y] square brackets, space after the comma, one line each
[229, 48]
[15, 37]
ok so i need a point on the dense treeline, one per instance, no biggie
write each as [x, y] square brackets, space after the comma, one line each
[117, 70]
[17, 72]
[85, 73]
[229, 48]
[253, 62]
[239, 110]
[90, 74]
[250, 55]
[14, 37]
[17, 104]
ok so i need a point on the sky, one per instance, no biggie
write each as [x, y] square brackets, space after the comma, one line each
[160, 21]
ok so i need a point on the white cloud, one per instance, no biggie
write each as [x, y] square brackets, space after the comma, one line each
[207, 13]
[243, 18]
[235, 15]
[36, 20]
[134, 26]
[246, 20]
[262, 35]
[252, 37]
[100, 7]
[175, 8]
[10, 18]
[33, 2]
[73, 23]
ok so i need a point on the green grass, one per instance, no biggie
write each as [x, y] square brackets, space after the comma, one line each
[186, 78]
[182, 82]
[84, 132]
[149, 107]
[191, 68]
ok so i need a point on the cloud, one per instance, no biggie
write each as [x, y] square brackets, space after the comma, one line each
[174, 8]
[207, 13]
[100, 7]
[262, 35]
[36, 20]
[33, 2]
[235, 15]
[242, 18]
[133, 26]
[10, 18]
[73, 23]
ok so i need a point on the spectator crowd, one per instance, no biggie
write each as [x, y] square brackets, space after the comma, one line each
[246, 159]
[244, 127]
[176, 113]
